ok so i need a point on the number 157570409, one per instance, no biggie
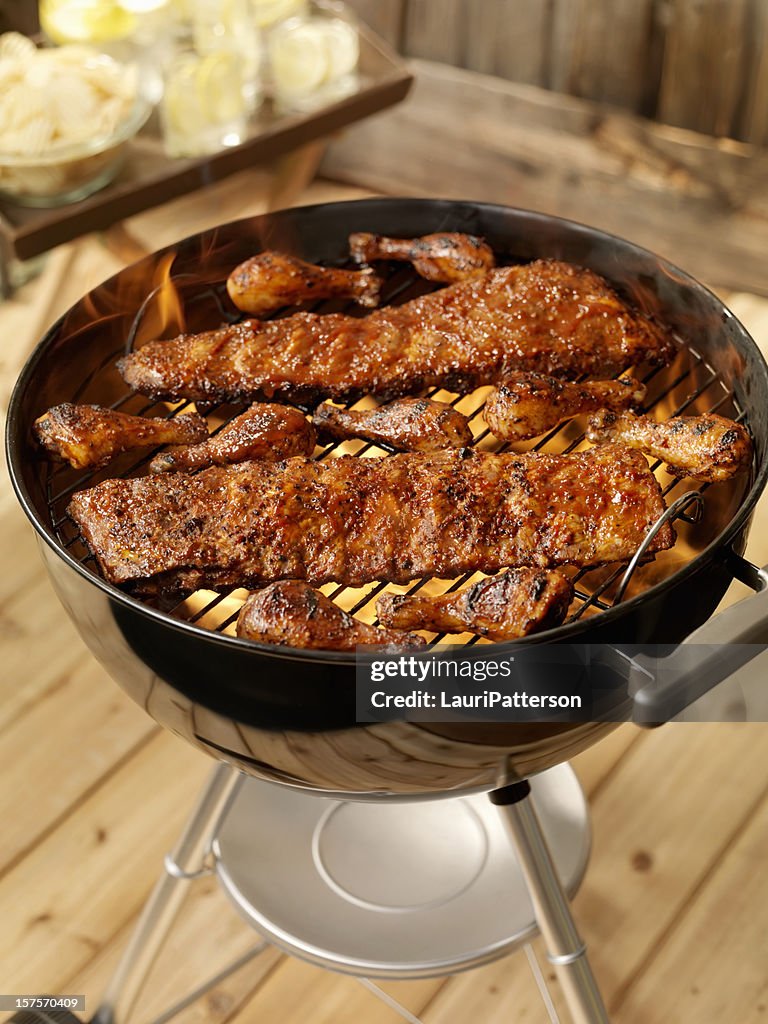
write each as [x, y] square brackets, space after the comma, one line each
[41, 1002]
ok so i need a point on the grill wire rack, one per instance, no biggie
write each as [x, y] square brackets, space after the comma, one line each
[689, 385]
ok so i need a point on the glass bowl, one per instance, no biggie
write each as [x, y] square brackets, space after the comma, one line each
[66, 173]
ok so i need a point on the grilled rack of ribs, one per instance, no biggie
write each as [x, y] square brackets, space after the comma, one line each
[528, 404]
[89, 436]
[292, 614]
[408, 424]
[547, 316]
[271, 280]
[447, 257]
[504, 607]
[265, 431]
[707, 447]
[354, 521]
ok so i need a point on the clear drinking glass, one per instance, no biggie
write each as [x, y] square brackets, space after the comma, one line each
[268, 13]
[85, 21]
[313, 58]
[211, 78]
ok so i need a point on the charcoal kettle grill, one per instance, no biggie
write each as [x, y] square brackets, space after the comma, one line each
[287, 717]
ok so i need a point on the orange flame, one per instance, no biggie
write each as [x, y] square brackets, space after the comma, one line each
[163, 316]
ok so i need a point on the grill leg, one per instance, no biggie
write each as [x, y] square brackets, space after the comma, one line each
[187, 861]
[565, 950]
[389, 1001]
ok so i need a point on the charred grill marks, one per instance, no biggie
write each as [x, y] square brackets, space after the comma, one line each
[505, 607]
[89, 436]
[409, 424]
[292, 614]
[355, 521]
[707, 447]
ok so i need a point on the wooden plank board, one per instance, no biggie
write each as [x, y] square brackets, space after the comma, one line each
[435, 31]
[26, 315]
[522, 41]
[385, 17]
[501, 992]
[19, 16]
[610, 50]
[703, 65]
[564, 44]
[65, 899]
[243, 196]
[509, 38]
[752, 117]
[23, 563]
[482, 38]
[712, 965]
[595, 764]
[87, 705]
[39, 644]
[670, 190]
[648, 862]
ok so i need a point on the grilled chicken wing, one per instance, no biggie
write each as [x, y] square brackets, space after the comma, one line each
[88, 436]
[547, 316]
[445, 257]
[707, 447]
[354, 520]
[265, 431]
[528, 404]
[292, 614]
[272, 280]
[409, 424]
[504, 607]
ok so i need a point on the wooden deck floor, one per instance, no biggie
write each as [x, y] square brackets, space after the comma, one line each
[92, 793]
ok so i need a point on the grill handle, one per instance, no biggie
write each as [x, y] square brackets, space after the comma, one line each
[663, 687]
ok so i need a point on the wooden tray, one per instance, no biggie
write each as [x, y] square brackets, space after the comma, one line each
[150, 177]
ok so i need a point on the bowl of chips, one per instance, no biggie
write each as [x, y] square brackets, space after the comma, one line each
[67, 114]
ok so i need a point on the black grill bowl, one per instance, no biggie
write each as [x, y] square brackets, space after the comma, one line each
[288, 715]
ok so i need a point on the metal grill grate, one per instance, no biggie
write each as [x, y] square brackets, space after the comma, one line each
[689, 385]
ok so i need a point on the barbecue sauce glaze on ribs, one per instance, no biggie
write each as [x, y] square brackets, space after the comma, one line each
[547, 316]
[353, 521]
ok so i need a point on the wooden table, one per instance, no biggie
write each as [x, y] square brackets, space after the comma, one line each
[92, 793]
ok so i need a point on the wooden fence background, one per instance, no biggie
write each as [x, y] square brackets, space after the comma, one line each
[700, 64]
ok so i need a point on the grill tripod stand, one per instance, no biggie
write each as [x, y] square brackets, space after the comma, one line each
[222, 826]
